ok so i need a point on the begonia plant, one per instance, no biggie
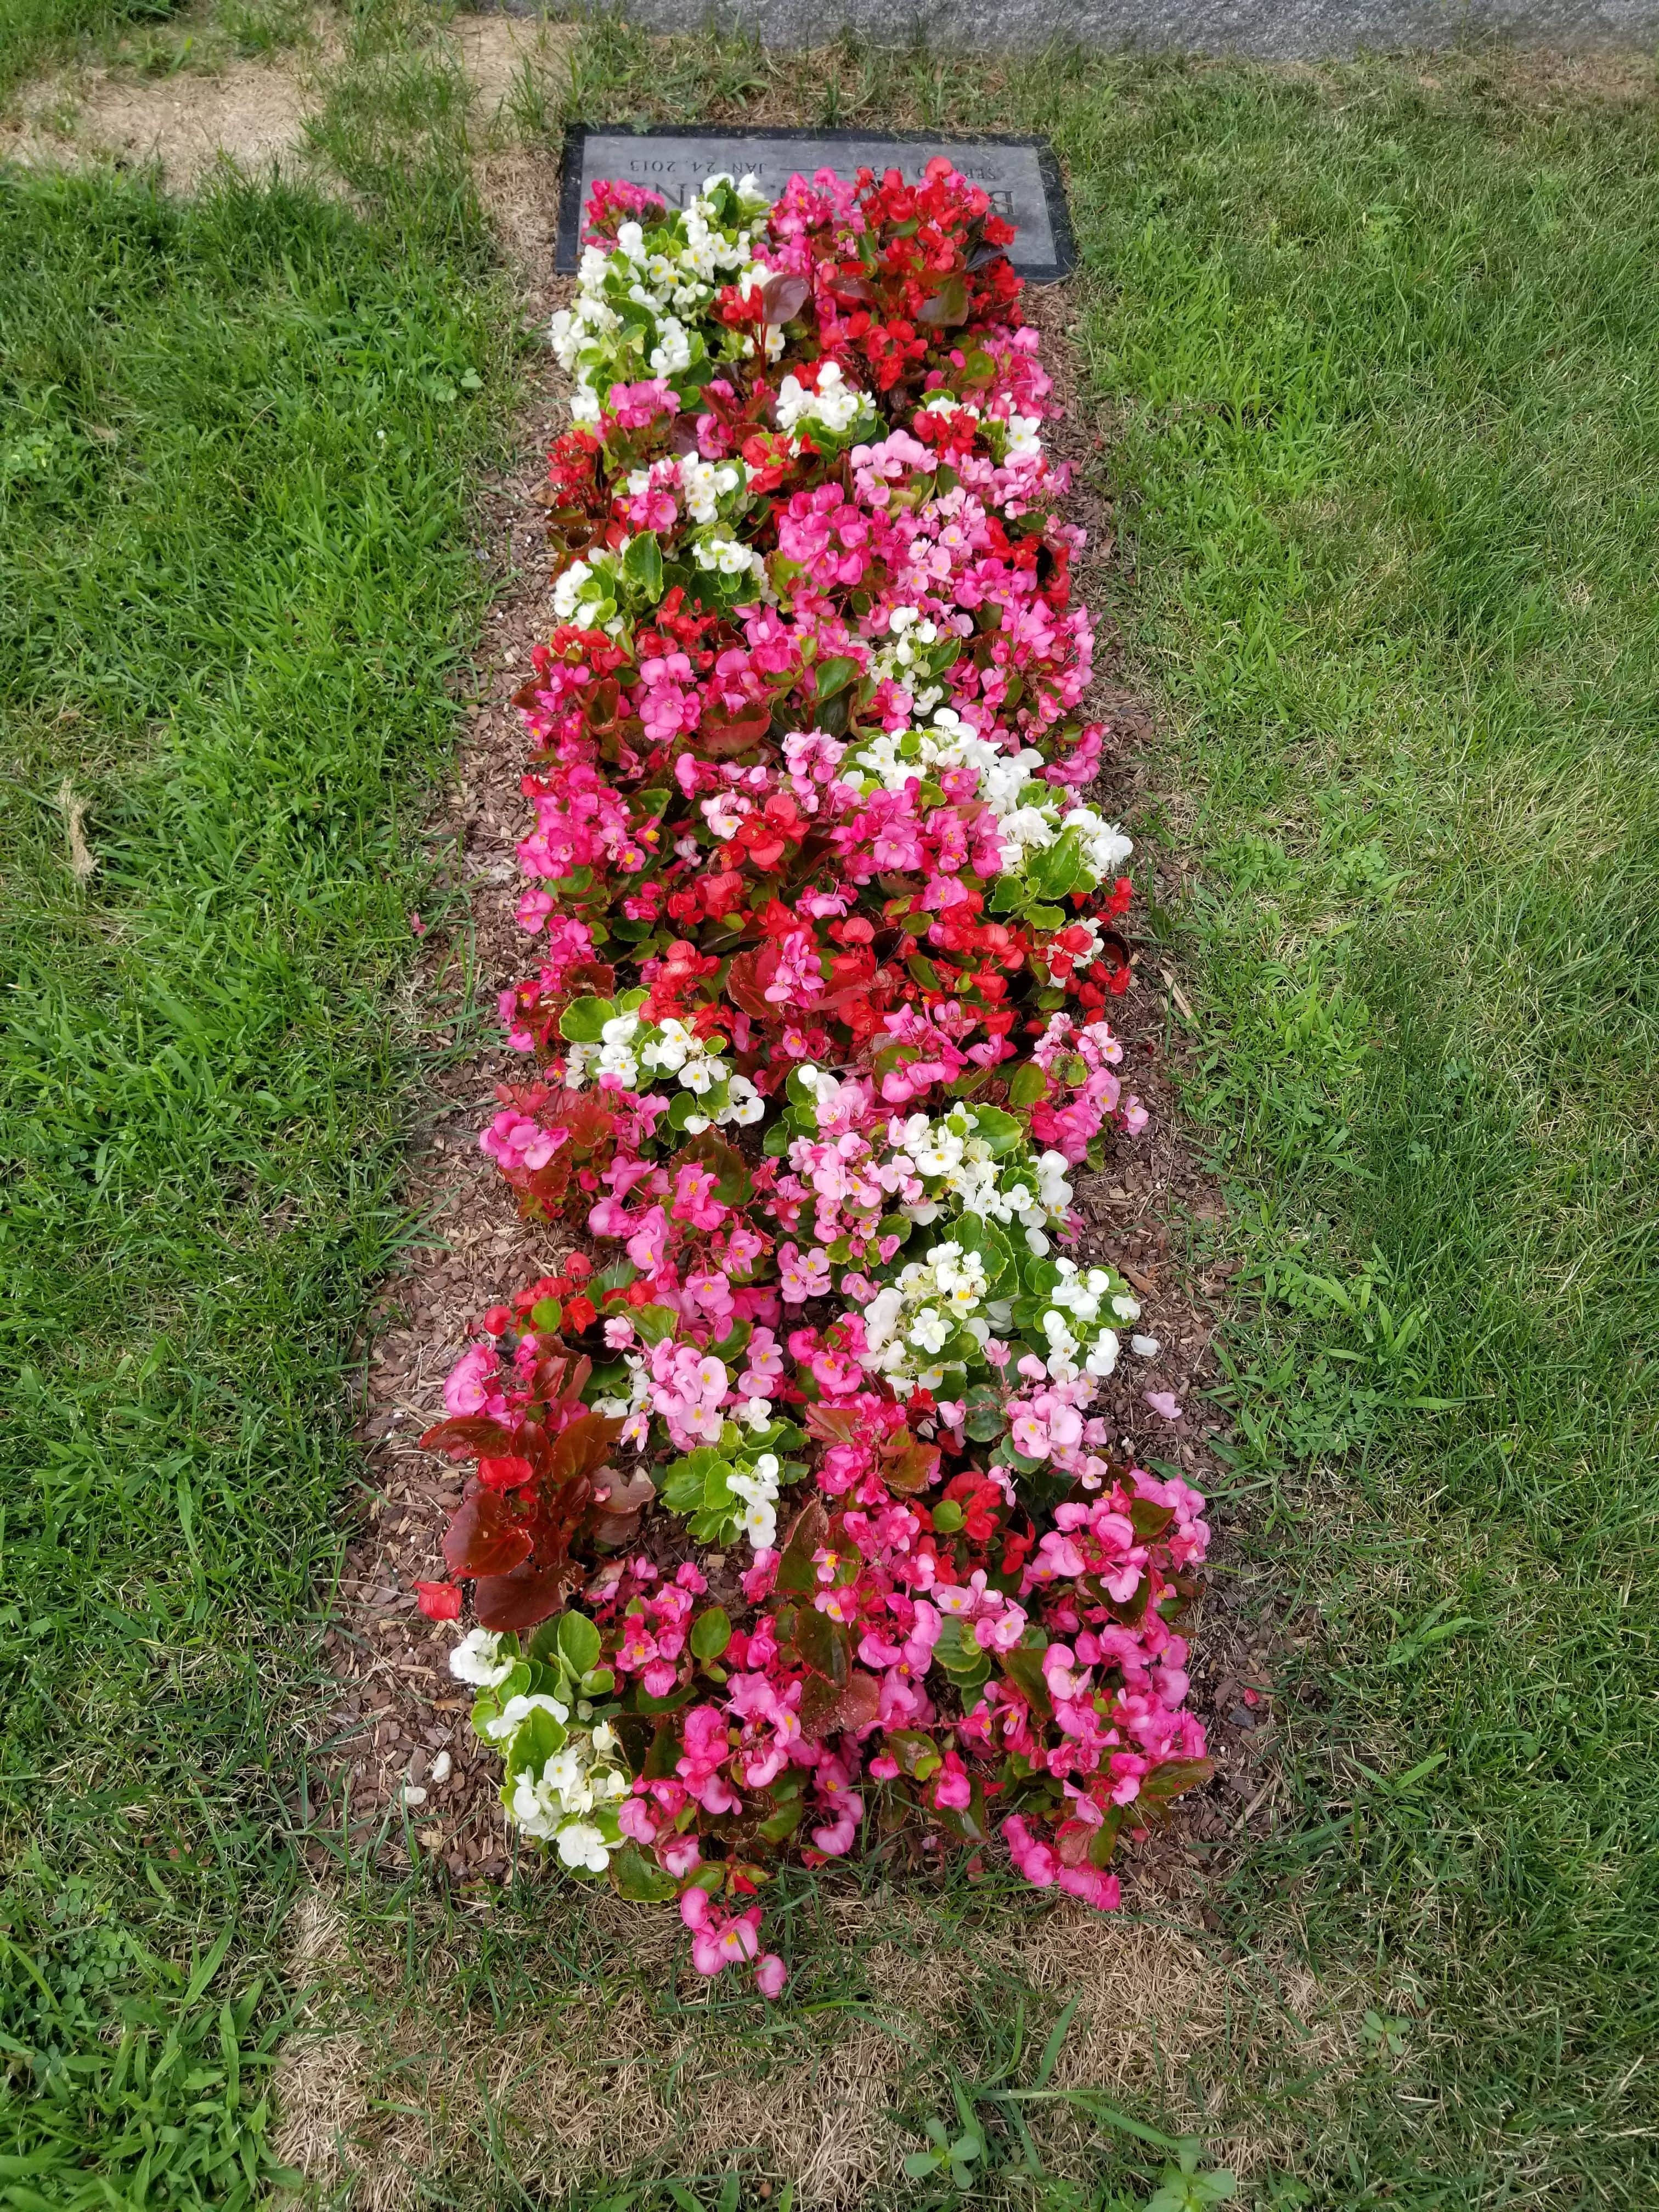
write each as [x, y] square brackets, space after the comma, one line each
[790, 1520]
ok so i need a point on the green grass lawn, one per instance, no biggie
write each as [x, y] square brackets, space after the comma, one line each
[240, 441]
[1383, 356]
[1377, 354]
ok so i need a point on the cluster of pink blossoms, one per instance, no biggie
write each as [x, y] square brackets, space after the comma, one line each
[791, 1521]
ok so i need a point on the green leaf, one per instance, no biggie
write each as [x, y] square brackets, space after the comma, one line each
[834, 675]
[653, 1323]
[711, 1632]
[984, 1418]
[638, 1877]
[642, 565]
[785, 1821]
[975, 1234]
[583, 1020]
[1000, 1131]
[580, 1643]
[1028, 1084]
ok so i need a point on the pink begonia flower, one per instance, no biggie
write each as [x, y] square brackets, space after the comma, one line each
[647, 1247]
[1163, 1402]
[757, 1581]
[1035, 1859]
[467, 1390]
[679, 1855]
[633, 1819]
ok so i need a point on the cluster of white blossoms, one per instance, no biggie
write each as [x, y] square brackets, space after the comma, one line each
[627, 1047]
[569, 1797]
[1075, 1304]
[961, 1171]
[834, 406]
[704, 483]
[909, 635]
[754, 1484]
[603, 338]
[1029, 811]
[909, 1323]
[717, 548]
[477, 1660]
[585, 585]
[588, 1776]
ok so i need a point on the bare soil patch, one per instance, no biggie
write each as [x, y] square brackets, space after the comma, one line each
[216, 107]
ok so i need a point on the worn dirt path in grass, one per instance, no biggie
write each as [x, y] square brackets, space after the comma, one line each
[190, 102]
[393, 1757]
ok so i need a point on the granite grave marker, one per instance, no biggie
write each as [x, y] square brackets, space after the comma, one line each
[1020, 175]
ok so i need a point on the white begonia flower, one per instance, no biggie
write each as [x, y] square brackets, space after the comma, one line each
[1101, 1356]
[475, 1659]
[1145, 1347]
[941, 1151]
[930, 1331]
[581, 1845]
[1022, 437]
[518, 1709]
[531, 1809]
[744, 1104]
[567, 590]
[837, 404]
[563, 1772]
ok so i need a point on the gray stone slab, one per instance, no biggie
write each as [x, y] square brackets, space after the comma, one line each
[1019, 175]
[1279, 30]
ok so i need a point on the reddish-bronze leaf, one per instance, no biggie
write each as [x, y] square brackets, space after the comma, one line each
[522, 1598]
[613, 1519]
[1174, 1778]
[485, 1537]
[1148, 1519]
[823, 1645]
[584, 1446]
[824, 1710]
[910, 1469]
[833, 1424]
[1024, 1668]
[783, 297]
[732, 1184]
[806, 1536]
[469, 1433]
[745, 985]
[1071, 1840]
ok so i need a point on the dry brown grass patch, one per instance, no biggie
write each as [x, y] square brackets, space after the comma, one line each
[630, 2059]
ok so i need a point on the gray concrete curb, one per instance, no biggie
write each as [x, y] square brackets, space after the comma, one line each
[1277, 30]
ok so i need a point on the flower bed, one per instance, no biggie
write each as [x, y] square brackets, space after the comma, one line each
[790, 1520]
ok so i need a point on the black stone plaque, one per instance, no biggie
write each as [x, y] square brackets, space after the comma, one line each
[1020, 174]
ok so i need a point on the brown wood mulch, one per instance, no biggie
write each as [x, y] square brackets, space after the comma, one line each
[392, 1722]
